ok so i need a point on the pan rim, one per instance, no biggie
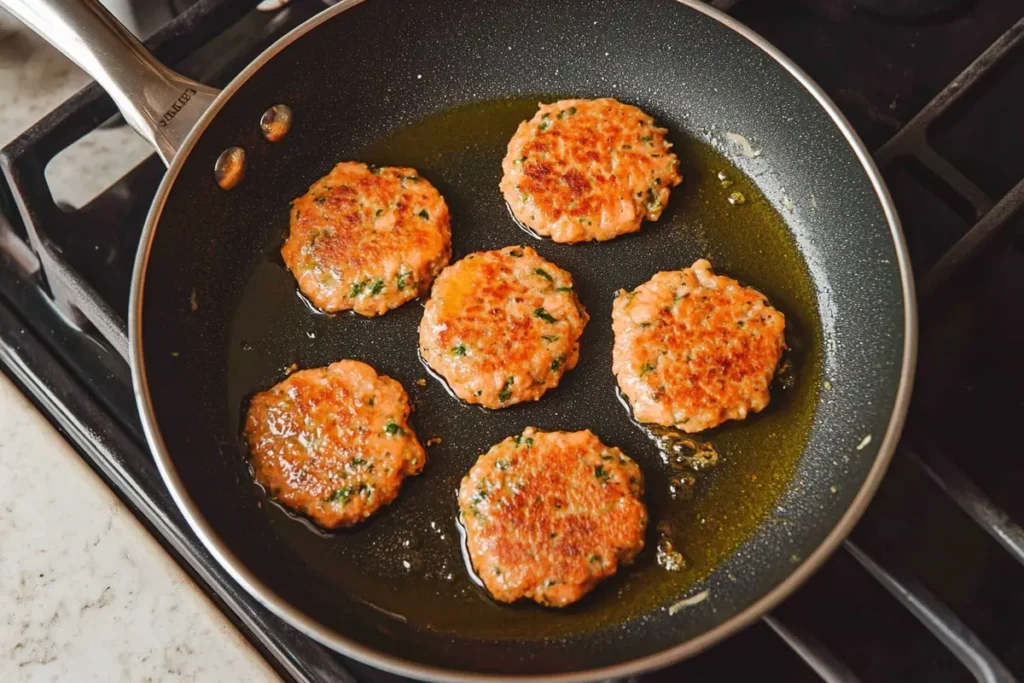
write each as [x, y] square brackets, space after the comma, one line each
[311, 627]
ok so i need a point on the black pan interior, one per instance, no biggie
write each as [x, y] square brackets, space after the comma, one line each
[361, 86]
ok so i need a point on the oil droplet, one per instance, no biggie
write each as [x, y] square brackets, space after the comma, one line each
[679, 450]
[681, 484]
[737, 198]
[785, 375]
[276, 122]
[464, 546]
[668, 557]
[521, 225]
[230, 168]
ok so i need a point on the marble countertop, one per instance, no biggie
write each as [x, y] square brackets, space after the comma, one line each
[86, 594]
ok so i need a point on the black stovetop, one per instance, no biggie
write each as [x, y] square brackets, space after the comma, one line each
[930, 587]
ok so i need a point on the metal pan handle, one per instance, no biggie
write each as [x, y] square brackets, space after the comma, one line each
[160, 104]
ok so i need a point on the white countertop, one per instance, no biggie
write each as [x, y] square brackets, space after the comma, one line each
[86, 594]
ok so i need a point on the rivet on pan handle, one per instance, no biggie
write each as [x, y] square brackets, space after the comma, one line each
[160, 104]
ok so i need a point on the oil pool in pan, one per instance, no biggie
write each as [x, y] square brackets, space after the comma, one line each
[407, 560]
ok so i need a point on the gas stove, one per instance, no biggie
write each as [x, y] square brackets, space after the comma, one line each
[929, 587]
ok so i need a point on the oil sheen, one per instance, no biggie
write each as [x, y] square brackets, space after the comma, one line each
[407, 561]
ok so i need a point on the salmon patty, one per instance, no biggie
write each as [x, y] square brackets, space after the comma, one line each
[548, 515]
[588, 170]
[367, 239]
[333, 443]
[694, 349]
[502, 326]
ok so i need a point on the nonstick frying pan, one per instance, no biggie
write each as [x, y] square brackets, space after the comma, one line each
[440, 85]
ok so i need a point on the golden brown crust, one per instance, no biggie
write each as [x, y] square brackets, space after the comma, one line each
[333, 443]
[502, 326]
[548, 515]
[694, 349]
[588, 170]
[367, 239]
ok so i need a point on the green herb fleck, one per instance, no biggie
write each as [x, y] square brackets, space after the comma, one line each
[550, 337]
[515, 253]
[358, 462]
[544, 315]
[377, 287]
[557, 363]
[424, 215]
[392, 428]
[520, 160]
[376, 170]
[563, 289]
[653, 203]
[459, 350]
[379, 213]
[544, 274]
[481, 493]
[506, 390]
[518, 439]
[602, 475]
[412, 179]
[357, 288]
[647, 367]
[646, 138]
[321, 199]
[544, 125]
[502, 465]
[342, 495]
[403, 280]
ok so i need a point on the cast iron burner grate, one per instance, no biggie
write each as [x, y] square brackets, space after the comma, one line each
[930, 586]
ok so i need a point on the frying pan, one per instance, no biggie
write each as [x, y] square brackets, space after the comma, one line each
[214, 317]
